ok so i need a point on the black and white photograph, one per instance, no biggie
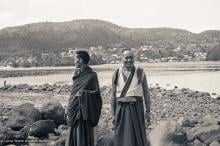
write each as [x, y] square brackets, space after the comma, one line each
[109, 73]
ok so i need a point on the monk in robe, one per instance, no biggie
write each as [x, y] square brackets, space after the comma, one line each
[85, 102]
[129, 88]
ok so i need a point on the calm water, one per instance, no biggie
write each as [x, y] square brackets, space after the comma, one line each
[201, 81]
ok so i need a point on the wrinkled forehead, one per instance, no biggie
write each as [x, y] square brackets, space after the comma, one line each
[128, 53]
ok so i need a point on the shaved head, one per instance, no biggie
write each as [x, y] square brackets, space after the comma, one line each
[128, 58]
[127, 52]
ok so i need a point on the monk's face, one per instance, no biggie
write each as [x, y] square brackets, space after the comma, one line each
[78, 61]
[128, 59]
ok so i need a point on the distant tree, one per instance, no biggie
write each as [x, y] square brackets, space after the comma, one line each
[25, 64]
[68, 61]
[214, 54]
[96, 59]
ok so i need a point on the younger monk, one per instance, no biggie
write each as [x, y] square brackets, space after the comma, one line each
[84, 107]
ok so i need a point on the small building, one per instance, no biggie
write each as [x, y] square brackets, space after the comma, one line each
[71, 52]
[45, 55]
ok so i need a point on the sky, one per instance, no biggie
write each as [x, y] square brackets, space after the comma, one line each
[193, 15]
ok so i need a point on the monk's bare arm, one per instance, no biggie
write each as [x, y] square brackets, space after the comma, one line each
[146, 96]
[113, 99]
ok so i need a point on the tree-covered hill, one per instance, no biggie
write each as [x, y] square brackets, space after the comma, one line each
[54, 36]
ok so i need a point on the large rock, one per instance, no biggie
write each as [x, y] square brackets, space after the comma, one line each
[187, 122]
[53, 111]
[215, 143]
[208, 134]
[23, 115]
[61, 129]
[106, 140]
[168, 134]
[45, 86]
[209, 120]
[60, 142]
[8, 136]
[2, 121]
[196, 143]
[42, 128]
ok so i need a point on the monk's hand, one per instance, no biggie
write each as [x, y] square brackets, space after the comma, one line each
[113, 123]
[113, 120]
[147, 118]
[80, 92]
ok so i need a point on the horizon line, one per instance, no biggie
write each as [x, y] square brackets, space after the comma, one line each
[19, 25]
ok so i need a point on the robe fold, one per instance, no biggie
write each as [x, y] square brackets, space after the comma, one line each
[84, 109]
[130, 123]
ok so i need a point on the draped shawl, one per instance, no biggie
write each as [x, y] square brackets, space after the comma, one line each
[85, 100]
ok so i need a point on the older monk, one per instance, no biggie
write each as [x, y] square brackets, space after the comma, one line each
[129, 88]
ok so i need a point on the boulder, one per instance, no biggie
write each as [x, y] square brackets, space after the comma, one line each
[61, 129]
[35, 88]
[23, 115]
[11, 88]
[168, 134]
[208, 134]
[53, 111]
[209, 120]
[214, 94]
[44, 87]
[177, 92]
[60, 142]
[53, 136]
[187, 122]
[215, 143]
[57, 90]
[202, 94]
[196, 143]
[50, 88]
[8, 136]
[190, 137]
[3, 120]
[64, 133]
[30, 88]
[42, 128]
[106, 140]
[6, 87]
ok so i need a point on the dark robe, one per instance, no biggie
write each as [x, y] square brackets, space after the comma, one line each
[130, 123]
[129, 119]
[84, 109]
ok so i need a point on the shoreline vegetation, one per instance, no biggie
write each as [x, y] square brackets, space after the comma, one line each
[178, 107]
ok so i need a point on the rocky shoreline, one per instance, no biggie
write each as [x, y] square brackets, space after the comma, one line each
[21, 73]
[180, 117]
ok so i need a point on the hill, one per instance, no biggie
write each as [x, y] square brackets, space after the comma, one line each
[55, 36]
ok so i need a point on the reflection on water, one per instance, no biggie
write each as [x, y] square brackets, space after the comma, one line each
[201, 81]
